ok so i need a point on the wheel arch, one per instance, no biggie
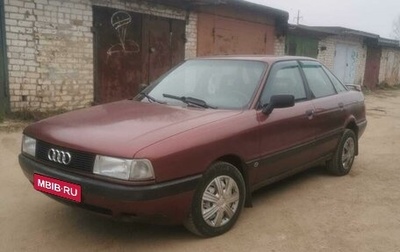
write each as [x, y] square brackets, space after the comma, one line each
[352, 125]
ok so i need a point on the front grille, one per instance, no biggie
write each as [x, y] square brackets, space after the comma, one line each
[79, 160]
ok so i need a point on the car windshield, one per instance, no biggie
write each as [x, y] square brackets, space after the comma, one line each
[224, 84]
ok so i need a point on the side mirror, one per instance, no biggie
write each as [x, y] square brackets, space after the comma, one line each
[278, 101]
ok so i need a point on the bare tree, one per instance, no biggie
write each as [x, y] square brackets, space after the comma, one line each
[396, 28]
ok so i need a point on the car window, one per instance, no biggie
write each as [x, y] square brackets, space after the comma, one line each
[338, 85]
[284, 78]
[225, 84]
[319, 83]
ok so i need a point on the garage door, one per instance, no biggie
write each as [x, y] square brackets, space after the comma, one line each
[133, 48]
[345, 63]
[372, 67]
[220, 35]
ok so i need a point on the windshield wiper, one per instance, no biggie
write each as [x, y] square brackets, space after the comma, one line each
[190, 101]
[151, 98]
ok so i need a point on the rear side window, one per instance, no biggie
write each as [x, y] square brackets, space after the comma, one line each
[338, 85]
[284, 79]
[318, 81]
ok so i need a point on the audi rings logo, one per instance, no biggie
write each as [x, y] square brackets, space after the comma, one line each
[61, 157]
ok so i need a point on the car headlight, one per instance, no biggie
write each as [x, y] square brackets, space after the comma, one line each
[28, 145]
[127, 169]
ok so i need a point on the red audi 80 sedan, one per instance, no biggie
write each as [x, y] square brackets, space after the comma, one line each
[192, 147]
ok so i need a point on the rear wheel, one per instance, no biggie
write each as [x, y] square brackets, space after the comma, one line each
[343, 159]
[218, 201]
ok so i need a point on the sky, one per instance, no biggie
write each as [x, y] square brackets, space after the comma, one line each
[374, 16]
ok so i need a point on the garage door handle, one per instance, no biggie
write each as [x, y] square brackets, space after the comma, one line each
[310, 113]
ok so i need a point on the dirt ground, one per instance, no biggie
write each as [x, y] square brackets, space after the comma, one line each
[312, 211]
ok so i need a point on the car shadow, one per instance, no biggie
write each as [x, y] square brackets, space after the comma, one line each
[124, 231]
[97, 227]
[289, 183]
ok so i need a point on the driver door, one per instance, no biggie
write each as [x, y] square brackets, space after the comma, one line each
[287, 134]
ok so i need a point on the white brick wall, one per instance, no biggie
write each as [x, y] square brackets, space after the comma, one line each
[327, 56]
[389, 72]
[191, 36]
[50, 49]
[280, 46]
[50, 54]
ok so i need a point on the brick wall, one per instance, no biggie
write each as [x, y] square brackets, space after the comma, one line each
[327, 57]
[389, 72]
[280, 46]
[191, 36]
[50, 54]
[50, 49]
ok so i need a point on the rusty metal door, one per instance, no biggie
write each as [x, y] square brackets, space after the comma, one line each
[232, 37]
[157, 32]
[178, 40]
[118, 54]
[372, 67]
[220, 35]
[132, 48]
[165, 42]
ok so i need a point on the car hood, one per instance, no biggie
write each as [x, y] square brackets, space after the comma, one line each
[121, 128]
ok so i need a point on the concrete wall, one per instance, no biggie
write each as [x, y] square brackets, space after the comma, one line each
[50, 49]
[389, 72]
[327, 57]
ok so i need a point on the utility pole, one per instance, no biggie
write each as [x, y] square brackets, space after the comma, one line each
[298, 17]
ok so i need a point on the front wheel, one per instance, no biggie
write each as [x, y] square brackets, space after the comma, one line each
[218, 201]
[343, 159]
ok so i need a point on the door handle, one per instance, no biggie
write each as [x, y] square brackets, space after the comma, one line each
[310, 113]
[341, 105]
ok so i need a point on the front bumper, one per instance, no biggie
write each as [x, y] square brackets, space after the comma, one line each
[167, 202]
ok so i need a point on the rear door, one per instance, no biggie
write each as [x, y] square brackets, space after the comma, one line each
[286, 135]
[328, 113]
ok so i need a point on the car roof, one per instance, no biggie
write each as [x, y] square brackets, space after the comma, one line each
[264, 58]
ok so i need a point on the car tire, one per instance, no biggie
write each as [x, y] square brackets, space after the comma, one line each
[343, 159]
[218, 201]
